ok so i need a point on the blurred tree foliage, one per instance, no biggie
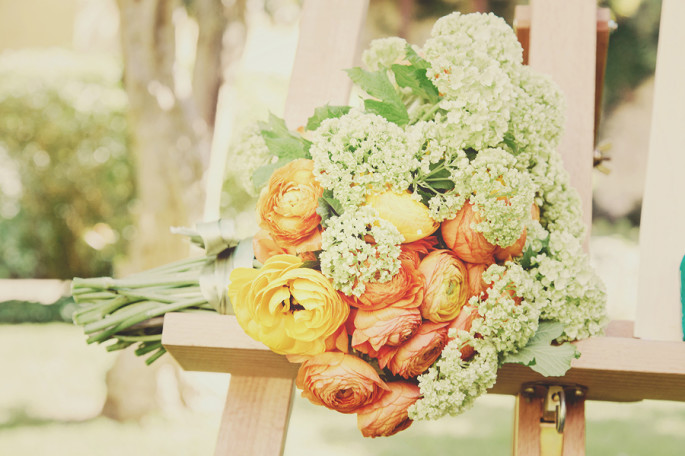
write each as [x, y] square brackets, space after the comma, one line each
[65, 173]
[632, 47]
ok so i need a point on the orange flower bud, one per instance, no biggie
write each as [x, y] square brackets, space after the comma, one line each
[405, 289]
[469, 244]
[390, 326]
[388, 415]
[417, 354]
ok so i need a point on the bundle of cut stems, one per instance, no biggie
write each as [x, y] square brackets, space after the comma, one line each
[130, 310]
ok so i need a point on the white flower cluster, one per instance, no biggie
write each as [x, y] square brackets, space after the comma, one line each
[361, 153]
[470, 59]
[349, 260]
[537, 114]
[567, 288]
[508, 319]
[383, 52]
[502, 195]
[249, 153]
[451, 385]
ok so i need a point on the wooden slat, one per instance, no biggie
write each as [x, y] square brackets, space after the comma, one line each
[527, 414]
[563, 40]
[255, 419]
[217, 343]
[662, 229]
[327, 46]
[612, 368]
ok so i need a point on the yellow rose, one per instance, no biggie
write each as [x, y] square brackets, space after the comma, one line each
[290, 309]
[411, 218]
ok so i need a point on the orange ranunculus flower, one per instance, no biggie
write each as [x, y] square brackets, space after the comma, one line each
[469, 244]
[417, 354]
[512, 251]
[287, 207]
[405, 289]
[411, 218]
[476, 283]
[339, 381]
[463, 322]
[264, 247]
[388, 415]
[447, 286]
[417, 250]
[290, 309]
[389, 326]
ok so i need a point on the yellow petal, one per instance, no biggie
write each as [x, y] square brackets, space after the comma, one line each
[411, 218]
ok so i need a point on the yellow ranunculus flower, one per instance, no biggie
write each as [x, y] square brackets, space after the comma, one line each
[411, 218]
[290, 309]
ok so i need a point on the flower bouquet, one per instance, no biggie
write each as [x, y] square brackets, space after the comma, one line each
[409, 245]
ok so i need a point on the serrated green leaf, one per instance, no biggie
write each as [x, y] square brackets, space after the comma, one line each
[281, 142]
[543, 357]
[376, 83]
[388, 103]
[392, 113]
[325, 112]
[415, 79]
[415, 59]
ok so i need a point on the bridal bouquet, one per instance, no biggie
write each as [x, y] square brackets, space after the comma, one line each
[408, 245]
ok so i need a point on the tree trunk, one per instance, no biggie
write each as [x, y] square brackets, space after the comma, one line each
[171, 141]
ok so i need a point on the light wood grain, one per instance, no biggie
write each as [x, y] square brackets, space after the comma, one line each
[527, 416]
[217, 343]
[563, 39]
[574, 431]
[614, 367]
[662, 228]
[255, 419]
[328, 44]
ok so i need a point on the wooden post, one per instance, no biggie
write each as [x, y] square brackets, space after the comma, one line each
[662, 228]
[563, 43]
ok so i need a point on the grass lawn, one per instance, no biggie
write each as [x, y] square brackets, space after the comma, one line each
[52, 389]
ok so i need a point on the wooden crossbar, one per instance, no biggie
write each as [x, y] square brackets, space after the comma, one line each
[615, 367]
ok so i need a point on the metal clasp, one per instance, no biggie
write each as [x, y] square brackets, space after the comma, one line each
[554, 407]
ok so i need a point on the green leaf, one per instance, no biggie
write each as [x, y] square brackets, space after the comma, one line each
[391, 112]
[543, 357]
[388, 102]
[262, 174]
[329, 199]
[511, 142]
[415, 79]
[527, 259]
[325, 112]
[416, 60]
[281, 142]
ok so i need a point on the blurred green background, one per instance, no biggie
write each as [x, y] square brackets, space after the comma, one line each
[72, 147]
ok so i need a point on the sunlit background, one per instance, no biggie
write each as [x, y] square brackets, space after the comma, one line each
[80, 173]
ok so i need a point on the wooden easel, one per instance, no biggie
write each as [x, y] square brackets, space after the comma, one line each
[624, 365]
